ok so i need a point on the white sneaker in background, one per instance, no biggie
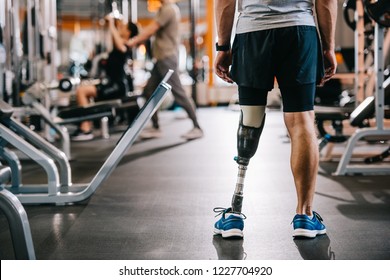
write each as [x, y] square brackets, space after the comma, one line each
[194, 133]
[80, 135]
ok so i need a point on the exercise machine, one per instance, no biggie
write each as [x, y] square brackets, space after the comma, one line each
[17, 219]
[377, 10]
[14, 211]
[56, 193]
[10, 205]
[32, 98]
[360, 115]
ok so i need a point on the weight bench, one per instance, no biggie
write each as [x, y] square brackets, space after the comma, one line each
[357, 118]
[99, 111]
[94, 111]
[336, 115]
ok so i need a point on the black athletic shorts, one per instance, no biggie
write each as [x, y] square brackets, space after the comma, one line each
[292, 55]
[111, 90]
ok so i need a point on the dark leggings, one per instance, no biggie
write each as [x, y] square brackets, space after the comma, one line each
[295, 99]
[159, 70]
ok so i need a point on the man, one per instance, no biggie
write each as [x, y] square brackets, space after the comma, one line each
[165, 28]
[277, 39]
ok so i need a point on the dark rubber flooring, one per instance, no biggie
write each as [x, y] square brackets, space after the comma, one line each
[158, 203]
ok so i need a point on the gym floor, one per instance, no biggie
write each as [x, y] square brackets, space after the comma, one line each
[158, 203]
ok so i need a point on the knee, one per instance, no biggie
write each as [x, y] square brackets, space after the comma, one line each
[81, 91]
[300, 123]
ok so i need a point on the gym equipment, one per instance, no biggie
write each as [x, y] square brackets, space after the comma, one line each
[37, 92]
[126, 108]
[42, 152]
[32, 38]
[247, 143]
[74, 115]
[2, 62]
[33, 97]
[379, 11]
[15, 213]
[344, 166]
[69, 192]
[349, 8]
[10, 26]
[336, 115]
[17, 220]
[29, 31]
[67, 84]
[365, 83]
[362, 112]
[378, 158]
[357, 117]
[366, 13]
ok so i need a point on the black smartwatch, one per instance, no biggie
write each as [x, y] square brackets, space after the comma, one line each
[222, 48]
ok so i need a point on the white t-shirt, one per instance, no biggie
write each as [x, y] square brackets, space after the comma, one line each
[255, 15]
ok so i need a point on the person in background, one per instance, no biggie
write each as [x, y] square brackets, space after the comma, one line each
[277, 39]
[118, 84]
[165, 29]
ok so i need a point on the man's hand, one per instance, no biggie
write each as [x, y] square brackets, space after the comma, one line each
[330, 66]
[224, 18]
[327, 15]
[222, 65]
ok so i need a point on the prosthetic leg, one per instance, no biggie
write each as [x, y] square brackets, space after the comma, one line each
[251, 125]
[248, 134]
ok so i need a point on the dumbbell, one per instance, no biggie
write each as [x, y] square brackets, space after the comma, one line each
[349, 8]
[67, 84]
[379, 11]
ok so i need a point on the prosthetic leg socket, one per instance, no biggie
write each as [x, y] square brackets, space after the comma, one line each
[247, 143]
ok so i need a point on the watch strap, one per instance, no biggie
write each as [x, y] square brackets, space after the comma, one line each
[222, 48]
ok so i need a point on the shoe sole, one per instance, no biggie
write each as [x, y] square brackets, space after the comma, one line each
[147, 136]
[229, 233]
[191, 138]
[300, 232]
[82, 139]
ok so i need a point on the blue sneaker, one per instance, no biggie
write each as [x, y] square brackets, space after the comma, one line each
[306, 227]
[231, 224]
